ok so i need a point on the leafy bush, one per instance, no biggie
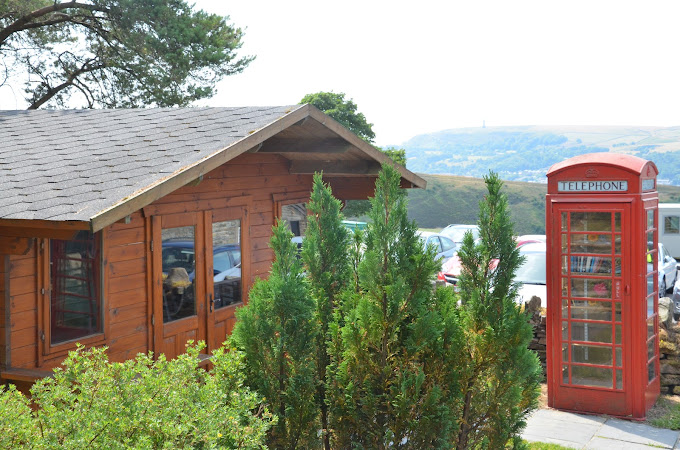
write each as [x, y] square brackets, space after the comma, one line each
[140, 403]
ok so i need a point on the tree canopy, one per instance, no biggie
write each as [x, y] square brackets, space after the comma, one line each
[115, 53]
[344, 111]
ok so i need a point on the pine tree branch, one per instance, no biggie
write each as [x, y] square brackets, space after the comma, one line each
[27, 22]
[70, 81]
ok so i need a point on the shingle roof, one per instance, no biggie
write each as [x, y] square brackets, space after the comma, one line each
[73, 164]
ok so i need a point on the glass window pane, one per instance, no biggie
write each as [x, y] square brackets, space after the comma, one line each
[617, 221]
[591, 332]
[75, 303]
[617, 244]
[619, 379]
[617, 336]
[295, 215]
[591, 288]
[591, 264]
[591, 354]
[226, 241]
[617, 312]
[651, 288]
[651, 331]
[650, 349]
[565, 374]
[650, 218]
[592, 376]
[650, 241]
[650, 305]
[564, 221]
[671, 225]
[565, 264]
[564, 243]
[565, 330]
[565, 353]
[565, 284]
[651, 371]
[591, 221]
[565, 308]
[619, 357]
[588, 310]
[591, 243]
[179, 273]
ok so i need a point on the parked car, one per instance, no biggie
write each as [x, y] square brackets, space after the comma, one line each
[456, 232]
[446, 248]
[668, 270]
[675, 298]
[531, 275]
[530, 239]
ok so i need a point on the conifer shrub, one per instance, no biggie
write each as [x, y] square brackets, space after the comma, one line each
[141, 403]
[499, 376]
[325, 255]
[388, 385]
[277, 332]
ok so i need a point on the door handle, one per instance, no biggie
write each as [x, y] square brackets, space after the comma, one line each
[212, 302]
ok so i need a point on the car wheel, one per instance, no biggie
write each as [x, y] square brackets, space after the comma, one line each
[662, 289]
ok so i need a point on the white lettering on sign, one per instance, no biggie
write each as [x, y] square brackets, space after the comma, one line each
[648, 184]
[592, 186]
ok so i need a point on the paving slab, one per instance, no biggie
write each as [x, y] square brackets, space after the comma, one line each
[558, 427]
[600, 443]
[596, 432]
[640, 433]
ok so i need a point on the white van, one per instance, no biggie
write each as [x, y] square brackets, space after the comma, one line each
[669, 227]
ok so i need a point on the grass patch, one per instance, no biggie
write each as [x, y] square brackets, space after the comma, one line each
[665, 413]
[545, 446]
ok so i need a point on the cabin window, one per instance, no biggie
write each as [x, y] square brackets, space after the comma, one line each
[75, 277]
[179, 273]
[671, 225]
[226, 243]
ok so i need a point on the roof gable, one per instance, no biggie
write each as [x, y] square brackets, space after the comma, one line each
[96, 166]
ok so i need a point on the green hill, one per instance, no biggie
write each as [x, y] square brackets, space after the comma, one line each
[526, 153]
[455, 199]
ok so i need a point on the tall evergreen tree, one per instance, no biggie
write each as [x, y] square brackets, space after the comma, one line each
[325, 257]
[277, 331]
[382, 395]
[499, 376]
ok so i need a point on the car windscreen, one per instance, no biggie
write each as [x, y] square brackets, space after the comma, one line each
[532, 271]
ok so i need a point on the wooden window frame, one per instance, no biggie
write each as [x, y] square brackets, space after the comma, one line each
[47, 350]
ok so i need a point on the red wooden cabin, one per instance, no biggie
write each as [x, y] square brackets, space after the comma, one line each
[143, 229]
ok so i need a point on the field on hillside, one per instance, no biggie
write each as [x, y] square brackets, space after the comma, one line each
[455, 199]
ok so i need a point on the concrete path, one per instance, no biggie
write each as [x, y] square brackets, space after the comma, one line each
[596, 432]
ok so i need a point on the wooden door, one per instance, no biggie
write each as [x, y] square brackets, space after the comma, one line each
[180, 301]
[227, 265]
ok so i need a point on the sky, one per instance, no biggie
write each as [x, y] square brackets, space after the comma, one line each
[418, 67]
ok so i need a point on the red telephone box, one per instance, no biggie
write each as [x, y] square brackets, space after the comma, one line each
[602, 324]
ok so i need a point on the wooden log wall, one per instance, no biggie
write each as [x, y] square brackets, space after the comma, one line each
[125, 247]
[4, 317]
[23, 309]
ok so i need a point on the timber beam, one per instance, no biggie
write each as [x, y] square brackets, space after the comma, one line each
[344, 168]
[328, 146]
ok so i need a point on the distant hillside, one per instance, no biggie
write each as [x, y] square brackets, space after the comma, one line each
[455, 199]
[526, 153]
